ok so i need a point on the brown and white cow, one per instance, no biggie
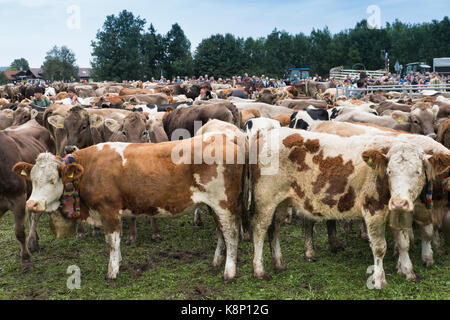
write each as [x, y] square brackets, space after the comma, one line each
[22, 143]
[141, 179]
[330, 178]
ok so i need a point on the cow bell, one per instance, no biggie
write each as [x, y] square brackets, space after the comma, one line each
[400, 220]
[61, 227]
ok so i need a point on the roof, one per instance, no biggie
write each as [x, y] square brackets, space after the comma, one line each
[37, 72]
[84, 72]
[11, 74]
[301, 69]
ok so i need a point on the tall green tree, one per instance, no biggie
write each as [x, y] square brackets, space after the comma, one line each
[117, 51]
[60, 65]
[3, 78]
[178, 59]
[153, 53]
[20, 64]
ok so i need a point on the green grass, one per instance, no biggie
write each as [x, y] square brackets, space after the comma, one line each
[179, 267]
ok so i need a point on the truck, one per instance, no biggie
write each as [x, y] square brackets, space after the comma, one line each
[421, 67]
[441, 65]
[341, 73]
[302, 74]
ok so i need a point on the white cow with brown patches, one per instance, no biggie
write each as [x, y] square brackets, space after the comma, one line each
[117, 179]
[330, 178]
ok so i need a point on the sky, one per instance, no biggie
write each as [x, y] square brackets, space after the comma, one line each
[30, 28]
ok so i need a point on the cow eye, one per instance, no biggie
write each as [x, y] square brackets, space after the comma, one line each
[418, 172]
[416, 121]
[84, 128]
[388, 171]
[124, 133]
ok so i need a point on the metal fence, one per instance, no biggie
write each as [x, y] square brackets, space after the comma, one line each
[412, 90]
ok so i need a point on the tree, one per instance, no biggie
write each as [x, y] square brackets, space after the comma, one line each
[3, 78]
[19, 64]
[153, 53]
[59, 65]
[177, 59]
[118, 53]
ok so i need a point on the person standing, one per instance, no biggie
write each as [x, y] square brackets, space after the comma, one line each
[39, 99]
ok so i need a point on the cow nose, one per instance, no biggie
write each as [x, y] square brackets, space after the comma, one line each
[70, 149]
[399, 204]
[32, 206]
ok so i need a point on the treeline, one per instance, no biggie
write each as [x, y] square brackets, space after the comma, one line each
[124, 50]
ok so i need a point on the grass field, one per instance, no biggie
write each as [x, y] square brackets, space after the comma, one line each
[179, 267]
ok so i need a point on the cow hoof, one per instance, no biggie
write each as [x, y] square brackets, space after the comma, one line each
[428, 263]
[130, 242]
[81, 236]
[27, 265]
[310, 259]
[335, 248]
[96, 232]
[246, 237]
[281, 268]
[227, 280]
[264, 276]
[110, 279]
[157, 237]
[198, 223]
[33, 247]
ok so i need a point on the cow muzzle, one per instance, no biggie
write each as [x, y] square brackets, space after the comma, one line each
[70, 149]
[35, 206]
[399, 205]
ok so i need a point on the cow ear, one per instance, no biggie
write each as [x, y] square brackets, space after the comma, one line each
[23, 170]
[72, 172]
[170, 109]
[9, 113]
[34, 114]
[438, 163]
[401, 117]
[376, 160]
[96, 120]
[56, 121]
[435, 110]
[112, 125]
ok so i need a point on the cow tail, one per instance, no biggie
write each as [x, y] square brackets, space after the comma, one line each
[236, 115]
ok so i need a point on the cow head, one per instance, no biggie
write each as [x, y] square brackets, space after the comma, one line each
[77, 127]
[134, 129]
[23, 115]
[423, 117]
[48, 176]
[407, 169]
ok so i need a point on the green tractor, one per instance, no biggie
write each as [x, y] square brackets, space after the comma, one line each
[302, 74]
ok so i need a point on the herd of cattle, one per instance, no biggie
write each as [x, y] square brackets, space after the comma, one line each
[383, 160]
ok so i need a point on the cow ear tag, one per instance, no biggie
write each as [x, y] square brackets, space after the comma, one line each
[71, 175]
[23, 173]
[10, 115]
[59, 125]
[370, 162]
[400, 119]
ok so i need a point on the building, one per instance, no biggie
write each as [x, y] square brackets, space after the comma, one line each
[84, 74]
[31, 75]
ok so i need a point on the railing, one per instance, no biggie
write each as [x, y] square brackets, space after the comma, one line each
[341, 74]
[404, 88]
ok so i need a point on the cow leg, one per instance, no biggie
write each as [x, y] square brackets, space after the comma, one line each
[404, 265]
[376, 226]
[310, 254]
[197, 218]
[131, 232]
[96, 232]
[115, 257]
[333, 241]
[426, 232]
[228, 233]
[260, 224]
[33, 238]
[274, 239]
[290, 213]
[219, 255]
[81, 233]
[156, 236]
[348, 226]
[363, 231]
[19, 230]
[437, 243]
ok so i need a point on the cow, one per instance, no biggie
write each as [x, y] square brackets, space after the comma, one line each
[270, 96]
[139, 179]
[186, 118]
[6, 118]
[329, 177]
[266, 110]
[249, 114]
[302, 104]
[24, 114]
[156, 99]
[23, 143]
[254, 126]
